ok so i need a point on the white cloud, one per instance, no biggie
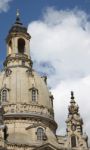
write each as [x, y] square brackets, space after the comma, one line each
[4, 5]
[61, 40]
[62, 98]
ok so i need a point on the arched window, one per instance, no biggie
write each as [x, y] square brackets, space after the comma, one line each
[34, 95]
[5, 133]
[4, 95]
[21, 45]
[40, 133]
[10, 46]
[73, 141]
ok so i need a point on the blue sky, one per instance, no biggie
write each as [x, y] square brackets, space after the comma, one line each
[60, 47]
[32, 10]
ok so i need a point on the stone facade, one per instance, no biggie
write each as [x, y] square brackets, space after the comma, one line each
[26, 105]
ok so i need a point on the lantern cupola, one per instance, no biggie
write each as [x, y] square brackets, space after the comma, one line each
[18, 45]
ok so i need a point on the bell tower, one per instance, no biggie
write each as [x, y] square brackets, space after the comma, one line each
[18, 44]
[75, 136]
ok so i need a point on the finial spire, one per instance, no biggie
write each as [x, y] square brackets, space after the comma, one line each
[17, 13]
[18, 17]
[72, 95]
[73, 108]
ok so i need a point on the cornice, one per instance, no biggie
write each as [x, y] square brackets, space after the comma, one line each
[31, 107]
[17, 57]
[32, 115]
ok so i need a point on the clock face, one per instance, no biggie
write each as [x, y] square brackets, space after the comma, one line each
[73, 127]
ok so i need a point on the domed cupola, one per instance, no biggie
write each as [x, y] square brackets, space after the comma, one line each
[18, 27]
[18, 44]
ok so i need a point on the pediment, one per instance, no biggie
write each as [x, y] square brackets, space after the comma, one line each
[47, 146]
[34, 125]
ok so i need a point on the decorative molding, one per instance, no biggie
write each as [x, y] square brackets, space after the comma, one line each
[16, 57]
[34, 125]
[26, 108]
[4, 88]
[8, 72]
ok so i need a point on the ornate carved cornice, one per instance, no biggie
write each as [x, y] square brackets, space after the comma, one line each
[16, 57]
[31, 107]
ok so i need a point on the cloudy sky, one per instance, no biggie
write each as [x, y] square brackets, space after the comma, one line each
[60, 48]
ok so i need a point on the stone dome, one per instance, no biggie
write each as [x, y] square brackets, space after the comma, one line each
[19, 83]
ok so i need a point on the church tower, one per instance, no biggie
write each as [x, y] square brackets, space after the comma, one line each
[75, 136]
[27, 120]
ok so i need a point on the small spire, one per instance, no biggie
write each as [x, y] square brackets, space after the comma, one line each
[72, 95]
[18, 17]
[17, 13]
